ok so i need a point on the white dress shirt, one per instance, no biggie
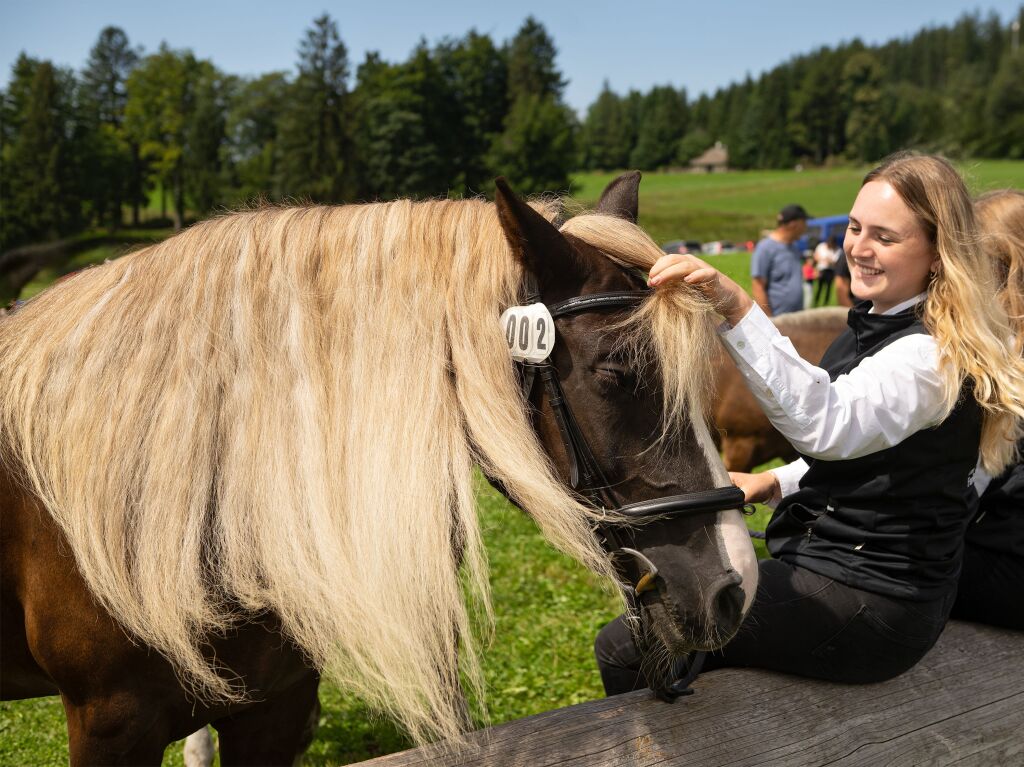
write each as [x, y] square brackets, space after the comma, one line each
[890, 395]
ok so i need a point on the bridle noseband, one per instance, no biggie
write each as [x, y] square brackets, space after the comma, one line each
[585, 474]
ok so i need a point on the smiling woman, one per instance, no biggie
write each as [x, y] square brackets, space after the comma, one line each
[867, 537]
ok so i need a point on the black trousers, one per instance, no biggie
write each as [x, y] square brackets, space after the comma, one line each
[806, 624]
[825, 278]
[991, 588]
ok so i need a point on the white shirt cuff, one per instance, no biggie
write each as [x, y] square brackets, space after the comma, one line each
[789, 476]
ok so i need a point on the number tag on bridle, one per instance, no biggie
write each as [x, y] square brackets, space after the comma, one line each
[529, 332]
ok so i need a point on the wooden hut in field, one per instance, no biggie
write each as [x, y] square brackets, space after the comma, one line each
[714, 160]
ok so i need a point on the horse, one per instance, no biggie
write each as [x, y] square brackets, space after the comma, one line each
[243, 458]
[742, 431]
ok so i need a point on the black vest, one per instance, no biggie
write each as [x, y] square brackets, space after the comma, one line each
[891, 522]
[999, 525]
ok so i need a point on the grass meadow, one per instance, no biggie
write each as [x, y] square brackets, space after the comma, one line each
[547, 608]
[737, 206]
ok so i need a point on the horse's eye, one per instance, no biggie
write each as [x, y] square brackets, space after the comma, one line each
[619, 373]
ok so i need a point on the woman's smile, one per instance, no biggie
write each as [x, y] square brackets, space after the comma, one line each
[867, 271]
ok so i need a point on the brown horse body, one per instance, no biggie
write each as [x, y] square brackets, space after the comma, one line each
[745, 435]
[125, 702]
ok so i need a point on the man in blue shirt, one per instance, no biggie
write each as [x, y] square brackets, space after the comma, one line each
[775, 265]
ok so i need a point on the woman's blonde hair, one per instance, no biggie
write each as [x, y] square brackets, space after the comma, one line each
[280, 410]
[1001, 220]
[972, 331]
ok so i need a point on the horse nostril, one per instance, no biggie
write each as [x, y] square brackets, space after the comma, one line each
[727, 604]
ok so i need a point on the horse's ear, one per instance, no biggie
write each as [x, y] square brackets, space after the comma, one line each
[538, 245]
[621, 197]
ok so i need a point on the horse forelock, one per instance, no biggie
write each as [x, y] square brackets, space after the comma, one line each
[674, 327]
[298, 396]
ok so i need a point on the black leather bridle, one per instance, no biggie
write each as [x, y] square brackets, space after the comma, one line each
[585, 474]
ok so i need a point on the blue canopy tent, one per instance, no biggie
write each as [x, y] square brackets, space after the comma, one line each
[820, 229]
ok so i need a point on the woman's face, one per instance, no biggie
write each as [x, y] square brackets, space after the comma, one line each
[886, 248]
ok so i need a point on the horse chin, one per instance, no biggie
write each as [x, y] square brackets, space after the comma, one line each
[678, 635]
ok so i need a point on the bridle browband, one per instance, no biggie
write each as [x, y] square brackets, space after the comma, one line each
[585, 474]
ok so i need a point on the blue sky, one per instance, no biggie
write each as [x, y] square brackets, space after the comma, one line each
[697, 45]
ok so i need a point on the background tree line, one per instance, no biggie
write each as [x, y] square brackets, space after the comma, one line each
[88, 148]
[958, 90]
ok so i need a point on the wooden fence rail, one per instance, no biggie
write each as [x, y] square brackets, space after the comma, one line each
[963, 704]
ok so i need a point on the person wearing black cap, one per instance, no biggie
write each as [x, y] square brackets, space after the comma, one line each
[775, 267]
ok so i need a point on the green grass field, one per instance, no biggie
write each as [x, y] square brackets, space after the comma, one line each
[737, 206]
[547, 608]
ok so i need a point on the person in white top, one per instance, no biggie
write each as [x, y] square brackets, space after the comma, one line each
[867, 537]
[826, 253]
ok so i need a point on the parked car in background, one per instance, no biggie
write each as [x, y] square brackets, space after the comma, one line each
[682, 246]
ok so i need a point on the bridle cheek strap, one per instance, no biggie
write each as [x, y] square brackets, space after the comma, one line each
[585, 475]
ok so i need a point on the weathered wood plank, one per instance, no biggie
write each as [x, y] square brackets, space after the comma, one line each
[963, 704]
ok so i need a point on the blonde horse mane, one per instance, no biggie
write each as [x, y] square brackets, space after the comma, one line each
[280, 410]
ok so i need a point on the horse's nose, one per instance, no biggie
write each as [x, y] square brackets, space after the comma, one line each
[725, 603]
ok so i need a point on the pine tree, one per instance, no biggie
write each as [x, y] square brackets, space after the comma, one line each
[41, 197]
[866, 133]
[537, 150]
[663, 123]
[205, 136]
[401, 149]
[476, 76]
[531, 63]
[607, 134]
[812, 109]
[115, 168]
[1004, 109]
[313, 133]
[537, 147]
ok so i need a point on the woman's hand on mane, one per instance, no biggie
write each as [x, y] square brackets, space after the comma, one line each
[728, 298]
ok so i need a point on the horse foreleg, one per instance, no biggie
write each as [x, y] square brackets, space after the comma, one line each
[115, 730]
[273, 732]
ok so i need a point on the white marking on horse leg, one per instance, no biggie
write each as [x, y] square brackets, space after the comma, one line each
[198, 750]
